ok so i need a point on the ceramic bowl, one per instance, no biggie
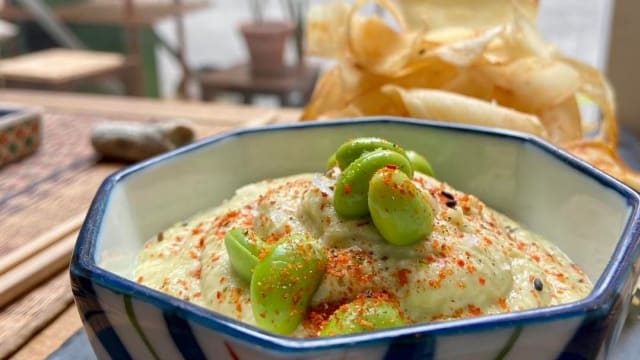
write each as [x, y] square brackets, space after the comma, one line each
[589, 215]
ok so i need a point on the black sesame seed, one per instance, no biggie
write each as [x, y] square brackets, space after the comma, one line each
[447, 195]
[384, 258]
[537, 283]
[451, 203]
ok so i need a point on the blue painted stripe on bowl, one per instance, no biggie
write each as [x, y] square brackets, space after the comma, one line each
[510, 343]
[131, 314]
[570, 356]
[98, 346]
[84, 261]
[93, 315]
[183, 337]
[412, 348]
[588, 339]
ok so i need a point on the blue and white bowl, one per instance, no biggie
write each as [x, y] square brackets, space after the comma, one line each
[592, 217]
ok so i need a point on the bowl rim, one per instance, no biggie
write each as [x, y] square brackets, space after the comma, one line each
[603, 295]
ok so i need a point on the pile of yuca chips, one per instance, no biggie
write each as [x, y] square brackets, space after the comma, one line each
[479, 62]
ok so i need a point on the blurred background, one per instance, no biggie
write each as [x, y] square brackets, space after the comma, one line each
[179, 41]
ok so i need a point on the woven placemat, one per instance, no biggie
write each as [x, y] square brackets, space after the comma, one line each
[58, 181]
[65, 143]
[38, 192]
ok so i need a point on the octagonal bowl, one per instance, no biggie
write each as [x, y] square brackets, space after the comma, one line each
[592, 217]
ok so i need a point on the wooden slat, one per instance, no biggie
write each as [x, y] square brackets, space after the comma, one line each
[148, 12]
[60, 65]
[114, 106]
[20, 320]
[52, 337]
[32, 272]
[13, 259]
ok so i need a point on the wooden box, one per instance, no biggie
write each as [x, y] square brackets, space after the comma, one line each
[20, 133]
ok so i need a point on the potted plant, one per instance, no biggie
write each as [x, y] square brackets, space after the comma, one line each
[266, 40]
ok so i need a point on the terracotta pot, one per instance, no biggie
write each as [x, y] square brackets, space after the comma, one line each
[266, 42]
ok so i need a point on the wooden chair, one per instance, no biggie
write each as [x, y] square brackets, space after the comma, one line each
[64, 69]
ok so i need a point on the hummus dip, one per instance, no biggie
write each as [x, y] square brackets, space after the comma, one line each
[475, 262]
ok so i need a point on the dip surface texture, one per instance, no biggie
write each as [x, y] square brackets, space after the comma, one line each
[475, 262]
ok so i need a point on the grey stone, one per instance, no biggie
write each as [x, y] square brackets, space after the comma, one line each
[132, 142]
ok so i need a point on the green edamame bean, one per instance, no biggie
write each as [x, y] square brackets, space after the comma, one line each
[363, 315]
[420, 163]
[331, 162]
[399, 210]
[242, 247]
[352, 187]
[284, 281]
[353, 149]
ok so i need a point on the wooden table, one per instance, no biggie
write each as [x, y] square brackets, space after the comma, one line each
[74, 198]
[239, 79]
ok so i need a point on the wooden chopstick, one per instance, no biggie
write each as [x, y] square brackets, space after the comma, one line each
[37, 268]
[21, 254]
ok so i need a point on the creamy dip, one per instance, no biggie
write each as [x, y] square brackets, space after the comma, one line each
[475, 262]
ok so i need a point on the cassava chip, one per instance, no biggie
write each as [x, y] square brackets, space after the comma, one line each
[328, 95]
[326, 33]
[562, 121]
[479, 62]
[366, 35]
[430, 73]
[472, 83]
[450, 107]
[594, 86]
[465, 52]
[461, 13]
[538, 83]
[604, 157]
